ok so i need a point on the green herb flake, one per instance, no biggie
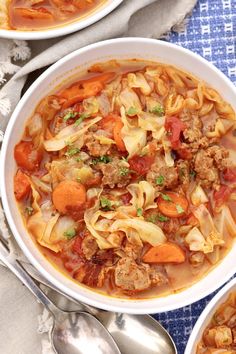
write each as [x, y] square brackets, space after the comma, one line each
[70, 233]
[139, 211]
[132, 111]
[29, 210]
[70, 115]
[124, 171]
[104, 159]
[158, 110]
[192, 173]
[105, 203]
[162, 218]
[160, 180]
[179, 209]
[72, 151]
[166, 197]
[81, 118]
[78, 159]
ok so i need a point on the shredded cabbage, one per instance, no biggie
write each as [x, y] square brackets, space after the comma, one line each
[143, 195]
[138, 80]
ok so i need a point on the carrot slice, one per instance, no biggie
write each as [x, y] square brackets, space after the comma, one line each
[34, 14]
[85, 89]
[172, 204]
[22, 185]
[27, 156]
[165, 253]
[68, 194]
[117, 135]
[108, 122]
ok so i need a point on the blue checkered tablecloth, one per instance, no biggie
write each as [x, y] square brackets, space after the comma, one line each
[211, 32]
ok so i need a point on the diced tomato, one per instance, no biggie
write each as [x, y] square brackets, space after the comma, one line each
[229, 174]
[141, 164]
[27, 156]
[174, 127]
[76, 247]
[222, 195]
[22, 185]
[126, 198]
[95, 181]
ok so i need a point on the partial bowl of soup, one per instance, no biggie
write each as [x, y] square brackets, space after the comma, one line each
[118, 175]
[41, 19]
[215, 330]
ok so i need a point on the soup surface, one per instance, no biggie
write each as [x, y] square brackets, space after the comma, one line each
[43, 14]
[126, 178]
[220, 335]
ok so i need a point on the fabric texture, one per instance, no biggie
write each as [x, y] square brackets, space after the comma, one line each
[211, 32]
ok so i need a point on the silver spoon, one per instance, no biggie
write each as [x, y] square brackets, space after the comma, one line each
[74, 332]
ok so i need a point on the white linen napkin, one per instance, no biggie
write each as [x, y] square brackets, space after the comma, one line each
[144, 18]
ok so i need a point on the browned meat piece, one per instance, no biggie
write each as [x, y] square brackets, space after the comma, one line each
[105, 257]
[207, 173]
[132, 277]
[171, 226]
[220, 156]
[163, 177]
[158, 275]
[196, 259]
[133, 250]
[94, 147]
[194, 129]
[114, 173]
[183, 170]
[89, 246]
[91, 275]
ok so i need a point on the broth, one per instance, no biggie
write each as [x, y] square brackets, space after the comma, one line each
[126, 181]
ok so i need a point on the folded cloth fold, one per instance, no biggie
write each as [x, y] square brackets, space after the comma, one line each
[144, 18]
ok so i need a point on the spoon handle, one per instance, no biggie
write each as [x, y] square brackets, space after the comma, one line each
[25, 278]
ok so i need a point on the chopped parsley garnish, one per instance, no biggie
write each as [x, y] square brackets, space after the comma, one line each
[192, 173]
[166, 197]
[158, 110]
[78, 159]
[72, 151]
[81, 118]
[29, 210]
[179, 209]
[70, 233]
[160, 180]
[139, 211]
[104, 159]
[124, 171]
[132, 111]
[70, 115]
[106, 203]
[154, 218]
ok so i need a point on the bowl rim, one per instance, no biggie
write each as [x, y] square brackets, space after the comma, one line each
[63, 30]
[201, 324]
[124, 305]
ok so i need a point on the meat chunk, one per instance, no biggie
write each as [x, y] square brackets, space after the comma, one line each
[132, 277]
[205, 169]
[184, 170]
[115, 173]
[95, 148]
[91, 275]
[196, 259]
[89, 246]
[133, 250]
[163, 177]
[194, 129]
[158, 275]
[220, 156]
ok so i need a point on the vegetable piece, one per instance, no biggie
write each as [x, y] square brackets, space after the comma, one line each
[85, 89]
[108, 122]
[68, 194]
[33, 14]
[117, 135]
[172, 204]
[174, 127]
[22, 185]
[165, 253]
[229, 174]
[222, 195]
[198, 196]
[27, 156]
[192, 220]
[141, 164]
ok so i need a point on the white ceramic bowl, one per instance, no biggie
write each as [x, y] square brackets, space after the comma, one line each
[76, 25]
[207, 315]
[125, 48]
